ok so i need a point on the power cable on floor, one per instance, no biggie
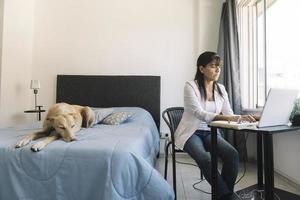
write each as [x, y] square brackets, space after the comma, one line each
[198, 182]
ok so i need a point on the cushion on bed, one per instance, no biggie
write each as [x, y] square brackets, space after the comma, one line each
[117, 118]
[101, 113]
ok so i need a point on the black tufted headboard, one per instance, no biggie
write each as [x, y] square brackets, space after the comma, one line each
[111, 91]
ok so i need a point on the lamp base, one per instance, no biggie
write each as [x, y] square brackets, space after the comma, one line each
[35, 99]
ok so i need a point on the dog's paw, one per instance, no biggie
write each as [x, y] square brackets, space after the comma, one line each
[22, 142]
[38, 146]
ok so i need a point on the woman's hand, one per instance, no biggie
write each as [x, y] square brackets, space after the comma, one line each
[237, 118]
[257, 117]
[244, 118]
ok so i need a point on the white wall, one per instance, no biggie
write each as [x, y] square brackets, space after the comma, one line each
[286, 158]
[209, 15]
[44, 38]
[133, 37]
[16, 61]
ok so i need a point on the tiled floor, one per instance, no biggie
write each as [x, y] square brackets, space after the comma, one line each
[187, 175]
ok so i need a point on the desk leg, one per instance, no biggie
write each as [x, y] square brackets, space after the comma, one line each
[269, 166]
[214, 163]
[259, 161]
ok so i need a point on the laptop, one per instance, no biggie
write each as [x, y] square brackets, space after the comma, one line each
[276, 111]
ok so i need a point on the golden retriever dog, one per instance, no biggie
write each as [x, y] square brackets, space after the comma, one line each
[65, 119]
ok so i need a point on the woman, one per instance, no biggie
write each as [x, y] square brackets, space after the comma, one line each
[204, 101]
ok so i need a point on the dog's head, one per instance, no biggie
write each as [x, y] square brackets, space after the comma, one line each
[66, 125]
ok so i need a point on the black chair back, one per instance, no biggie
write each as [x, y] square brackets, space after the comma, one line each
[174, 116]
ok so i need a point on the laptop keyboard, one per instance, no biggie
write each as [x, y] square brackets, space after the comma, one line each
[246, 122]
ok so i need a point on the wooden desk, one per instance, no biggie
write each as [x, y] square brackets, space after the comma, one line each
[264, 140]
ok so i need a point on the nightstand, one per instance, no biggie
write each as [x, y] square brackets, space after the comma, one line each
[38, 110]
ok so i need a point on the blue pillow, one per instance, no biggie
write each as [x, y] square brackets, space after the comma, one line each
[117, 118]
[101, 113]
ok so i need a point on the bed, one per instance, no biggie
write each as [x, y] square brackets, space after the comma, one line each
[106, 162]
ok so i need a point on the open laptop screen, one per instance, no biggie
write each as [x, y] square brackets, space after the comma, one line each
[278, 107]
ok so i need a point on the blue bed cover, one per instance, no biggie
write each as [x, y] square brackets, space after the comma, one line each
[105, 163]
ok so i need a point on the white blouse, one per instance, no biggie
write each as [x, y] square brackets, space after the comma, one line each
[198, 113]
[210, 106]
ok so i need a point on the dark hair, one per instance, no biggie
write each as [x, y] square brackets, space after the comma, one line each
[203, 60]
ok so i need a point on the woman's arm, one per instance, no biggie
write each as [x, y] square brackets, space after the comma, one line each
[256, 117]
[226, 117]
[248, 118]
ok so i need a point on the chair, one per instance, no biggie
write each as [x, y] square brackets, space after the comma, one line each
[172, 117]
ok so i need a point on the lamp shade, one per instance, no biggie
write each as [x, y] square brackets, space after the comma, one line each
[35, 84]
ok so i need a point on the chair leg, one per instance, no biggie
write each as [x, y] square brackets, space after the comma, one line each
[166, 160]
[201, 174]
[174, 172]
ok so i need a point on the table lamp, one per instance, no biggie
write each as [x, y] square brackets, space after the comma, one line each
[35, 85]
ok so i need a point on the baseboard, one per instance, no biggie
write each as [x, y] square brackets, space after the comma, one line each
[288, 179]
[282, 175]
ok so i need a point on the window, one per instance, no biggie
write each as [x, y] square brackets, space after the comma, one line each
[282, 31]
[269, 40]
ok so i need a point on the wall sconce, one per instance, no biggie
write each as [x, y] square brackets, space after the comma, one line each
[35, 85]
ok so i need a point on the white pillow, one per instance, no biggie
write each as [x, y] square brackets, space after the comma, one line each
[117, 118]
